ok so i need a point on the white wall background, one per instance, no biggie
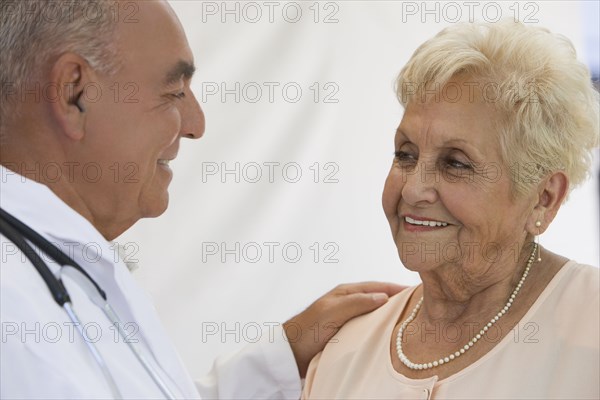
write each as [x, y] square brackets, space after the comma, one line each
[359, 57]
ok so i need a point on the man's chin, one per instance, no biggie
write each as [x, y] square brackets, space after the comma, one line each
[157, 207]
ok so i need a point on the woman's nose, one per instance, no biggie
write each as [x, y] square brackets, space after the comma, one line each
[420, 186]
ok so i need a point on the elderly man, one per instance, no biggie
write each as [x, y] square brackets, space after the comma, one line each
[95, 99]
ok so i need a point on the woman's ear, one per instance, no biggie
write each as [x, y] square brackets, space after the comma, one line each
[69, 76]
[551, 193]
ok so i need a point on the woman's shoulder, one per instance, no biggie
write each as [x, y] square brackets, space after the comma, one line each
[571, 299]
[387, 314]
[370, 329]
[581, 279]
[358, 343]
[583, 269]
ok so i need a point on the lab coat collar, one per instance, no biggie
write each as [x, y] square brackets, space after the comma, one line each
[37, 206]
[52, 217]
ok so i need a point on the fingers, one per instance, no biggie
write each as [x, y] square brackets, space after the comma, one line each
[333, 310]
[355, 304]
[371, 287]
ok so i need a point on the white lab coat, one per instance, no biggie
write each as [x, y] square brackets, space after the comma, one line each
[43, 356]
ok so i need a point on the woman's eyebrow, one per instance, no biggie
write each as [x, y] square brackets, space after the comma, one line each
[400, 132]
[450, 142]
[465, 144]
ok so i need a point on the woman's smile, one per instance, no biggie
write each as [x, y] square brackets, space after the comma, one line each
[422, 224]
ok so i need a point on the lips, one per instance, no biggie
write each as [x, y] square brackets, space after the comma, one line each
[424, 222]
[413, 223]
[167, 158]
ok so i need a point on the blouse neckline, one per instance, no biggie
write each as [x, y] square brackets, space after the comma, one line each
[434, 380]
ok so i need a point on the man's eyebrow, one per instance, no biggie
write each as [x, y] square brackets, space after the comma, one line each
[183, 69]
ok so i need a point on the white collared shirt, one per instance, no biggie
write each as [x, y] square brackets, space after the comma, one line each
[43, 356]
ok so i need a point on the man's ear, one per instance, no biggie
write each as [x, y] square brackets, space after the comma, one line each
[69, 76]
[552, 191]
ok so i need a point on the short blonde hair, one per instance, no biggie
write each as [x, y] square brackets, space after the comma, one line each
[546, 100]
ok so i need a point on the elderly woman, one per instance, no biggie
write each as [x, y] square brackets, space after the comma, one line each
[499, 123]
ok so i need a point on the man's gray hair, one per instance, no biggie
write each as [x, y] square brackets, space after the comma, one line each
[34, 33]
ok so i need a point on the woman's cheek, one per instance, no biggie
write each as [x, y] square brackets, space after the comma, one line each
[391, 194]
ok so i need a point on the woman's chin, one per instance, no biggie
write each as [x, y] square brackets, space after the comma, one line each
[418, 263]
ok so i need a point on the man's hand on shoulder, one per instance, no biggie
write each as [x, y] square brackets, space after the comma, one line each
[309, 331]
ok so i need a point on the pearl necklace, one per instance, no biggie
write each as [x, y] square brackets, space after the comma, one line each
[473, 340]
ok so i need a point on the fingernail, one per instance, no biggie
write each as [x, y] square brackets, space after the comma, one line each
[379, 297]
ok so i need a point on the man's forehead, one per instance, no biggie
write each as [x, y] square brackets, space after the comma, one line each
[155, 46]
[149, 20]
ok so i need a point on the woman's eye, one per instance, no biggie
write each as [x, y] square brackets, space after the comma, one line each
[452, 163]
[402, 156]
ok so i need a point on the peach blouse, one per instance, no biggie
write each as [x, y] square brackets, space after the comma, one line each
[553, 352]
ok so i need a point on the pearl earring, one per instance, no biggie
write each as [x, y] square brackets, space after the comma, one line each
[537, 239]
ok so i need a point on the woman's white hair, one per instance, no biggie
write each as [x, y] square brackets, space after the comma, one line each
[548, 107]
[35, 33]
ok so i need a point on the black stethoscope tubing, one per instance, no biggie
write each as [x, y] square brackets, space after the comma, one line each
[16, 231]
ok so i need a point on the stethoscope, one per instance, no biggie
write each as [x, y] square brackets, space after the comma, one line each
[16, 231]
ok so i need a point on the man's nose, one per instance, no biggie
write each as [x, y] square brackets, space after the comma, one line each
[192, 118]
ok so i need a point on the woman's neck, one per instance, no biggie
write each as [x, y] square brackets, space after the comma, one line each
[452, 294]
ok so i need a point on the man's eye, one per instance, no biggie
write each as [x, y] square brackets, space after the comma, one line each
[179, 95]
